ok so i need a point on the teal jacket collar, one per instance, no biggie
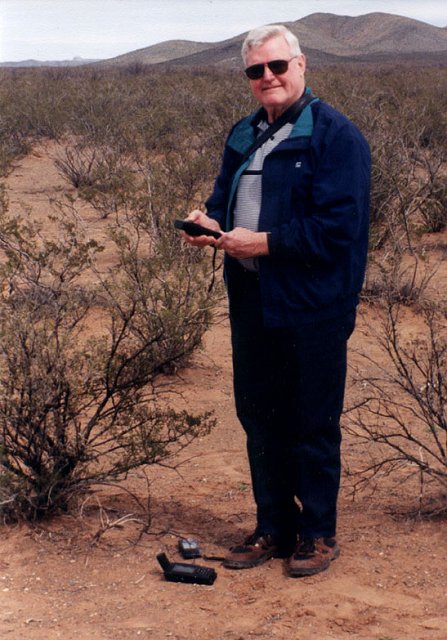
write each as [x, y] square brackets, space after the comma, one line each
[245, 132]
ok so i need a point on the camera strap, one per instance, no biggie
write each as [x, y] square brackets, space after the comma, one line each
[292, 113]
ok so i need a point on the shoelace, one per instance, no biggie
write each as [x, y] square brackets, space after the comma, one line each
[305, 547]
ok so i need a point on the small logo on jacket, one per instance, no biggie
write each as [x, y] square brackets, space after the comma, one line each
[297, 165]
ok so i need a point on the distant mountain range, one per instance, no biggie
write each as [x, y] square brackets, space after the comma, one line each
[325, 38]
[75, 62]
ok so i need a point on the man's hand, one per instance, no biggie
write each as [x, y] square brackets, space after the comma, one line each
[199, 217]
[238, 243]
[243, 243]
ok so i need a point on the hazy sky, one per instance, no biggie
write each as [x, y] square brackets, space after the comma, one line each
[63, 29]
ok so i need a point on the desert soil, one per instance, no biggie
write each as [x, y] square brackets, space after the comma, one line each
[93, 574]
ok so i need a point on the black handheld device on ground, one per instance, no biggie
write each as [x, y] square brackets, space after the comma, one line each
[194, 229]
[189, 573]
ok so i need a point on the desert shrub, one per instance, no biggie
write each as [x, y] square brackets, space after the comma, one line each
[398, 278]
[400, 412]
[102, 175]
[432, 204]
[150, 132]
[79, 165]
[13, 136]
[79, 406]
[39, 102]
[3, 199]
[402, 115]
[12, 145]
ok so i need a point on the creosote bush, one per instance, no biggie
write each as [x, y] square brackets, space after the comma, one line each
[80, 364]
[400, 414]
[403, 116]
[103, 176]
[398, 278]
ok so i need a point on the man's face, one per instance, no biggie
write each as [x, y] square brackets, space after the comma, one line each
[277, 92]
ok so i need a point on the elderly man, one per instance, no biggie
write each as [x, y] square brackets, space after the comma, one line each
[292, 206]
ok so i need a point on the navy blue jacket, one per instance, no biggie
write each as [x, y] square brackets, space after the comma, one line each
[315, 204]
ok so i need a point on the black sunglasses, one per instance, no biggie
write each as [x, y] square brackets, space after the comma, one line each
[278, 67]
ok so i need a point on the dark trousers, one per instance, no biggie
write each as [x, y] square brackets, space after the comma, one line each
[289, 389]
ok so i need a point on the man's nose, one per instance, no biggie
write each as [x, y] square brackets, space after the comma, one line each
[268, 75]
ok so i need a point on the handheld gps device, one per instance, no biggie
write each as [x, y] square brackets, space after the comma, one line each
[194, 229]
[183, 572]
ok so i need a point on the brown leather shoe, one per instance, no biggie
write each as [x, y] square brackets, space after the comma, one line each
[255, 550]
[312, 556]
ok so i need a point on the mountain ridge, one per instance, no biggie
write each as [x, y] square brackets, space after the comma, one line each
[326, 38]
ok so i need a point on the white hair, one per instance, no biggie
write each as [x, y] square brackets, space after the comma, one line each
[258, 36]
